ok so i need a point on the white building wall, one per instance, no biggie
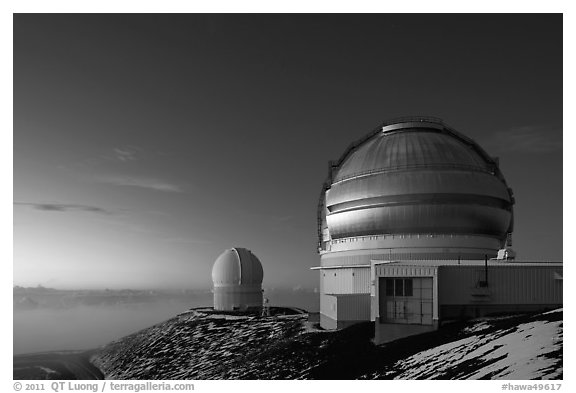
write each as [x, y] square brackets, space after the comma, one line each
[231, 298]
[344, 294]
[510, 285]
[329, 306]
[338, 281]
[507, 284]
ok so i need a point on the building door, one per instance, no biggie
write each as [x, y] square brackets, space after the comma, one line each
[426, 299]
[406, 300]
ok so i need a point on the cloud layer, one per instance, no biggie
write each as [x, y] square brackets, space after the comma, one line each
[63, 207]
[527, 139]
[118, 155]
[141, 182]
[127, 153]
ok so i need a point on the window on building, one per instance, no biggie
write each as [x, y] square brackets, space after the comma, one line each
[399, 287]
[389, 287]
[408, 287]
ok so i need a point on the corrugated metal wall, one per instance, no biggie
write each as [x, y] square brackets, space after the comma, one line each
[346, 307]
[384, 270]
[460, 285]
[345, 293]
[506, 284]
[345, 280]
[353, 307]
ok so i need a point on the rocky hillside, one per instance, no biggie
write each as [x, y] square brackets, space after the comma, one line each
[200, 344]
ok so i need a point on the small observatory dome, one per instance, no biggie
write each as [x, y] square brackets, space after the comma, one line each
[237, 276]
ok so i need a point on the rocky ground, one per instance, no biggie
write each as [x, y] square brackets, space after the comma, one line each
[201, 344]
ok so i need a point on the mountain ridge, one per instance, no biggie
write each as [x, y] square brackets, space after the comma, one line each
[207, 345]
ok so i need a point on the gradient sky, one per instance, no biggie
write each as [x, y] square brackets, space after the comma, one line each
[145, 145]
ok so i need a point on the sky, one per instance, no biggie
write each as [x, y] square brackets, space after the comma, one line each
[145, 145]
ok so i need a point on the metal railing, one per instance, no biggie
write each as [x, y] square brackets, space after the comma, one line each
[406, 119]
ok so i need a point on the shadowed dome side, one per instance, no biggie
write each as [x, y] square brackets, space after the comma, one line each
[237, 266]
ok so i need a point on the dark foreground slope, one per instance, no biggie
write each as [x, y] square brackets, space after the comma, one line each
[201, 345]
[55, 365]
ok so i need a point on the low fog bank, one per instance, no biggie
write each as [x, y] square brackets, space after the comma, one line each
[39, 326]
[85, 327]
[301, 298]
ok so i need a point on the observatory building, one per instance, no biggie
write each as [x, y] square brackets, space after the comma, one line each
[413, 192]
[412, 297]
[237, 276]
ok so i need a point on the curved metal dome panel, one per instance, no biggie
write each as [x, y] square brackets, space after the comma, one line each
[417, 181]
[251, 272]
[420, 218]
[415, 178]
[237, 266]
[410, 148]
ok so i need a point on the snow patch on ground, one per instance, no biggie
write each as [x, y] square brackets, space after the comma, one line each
[553, 311]
[205, 345]
[47, 370]
[526, 352]
[478, 327]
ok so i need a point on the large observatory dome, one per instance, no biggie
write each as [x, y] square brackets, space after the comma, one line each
[417, 177]
[413, 189]
[237, 276]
